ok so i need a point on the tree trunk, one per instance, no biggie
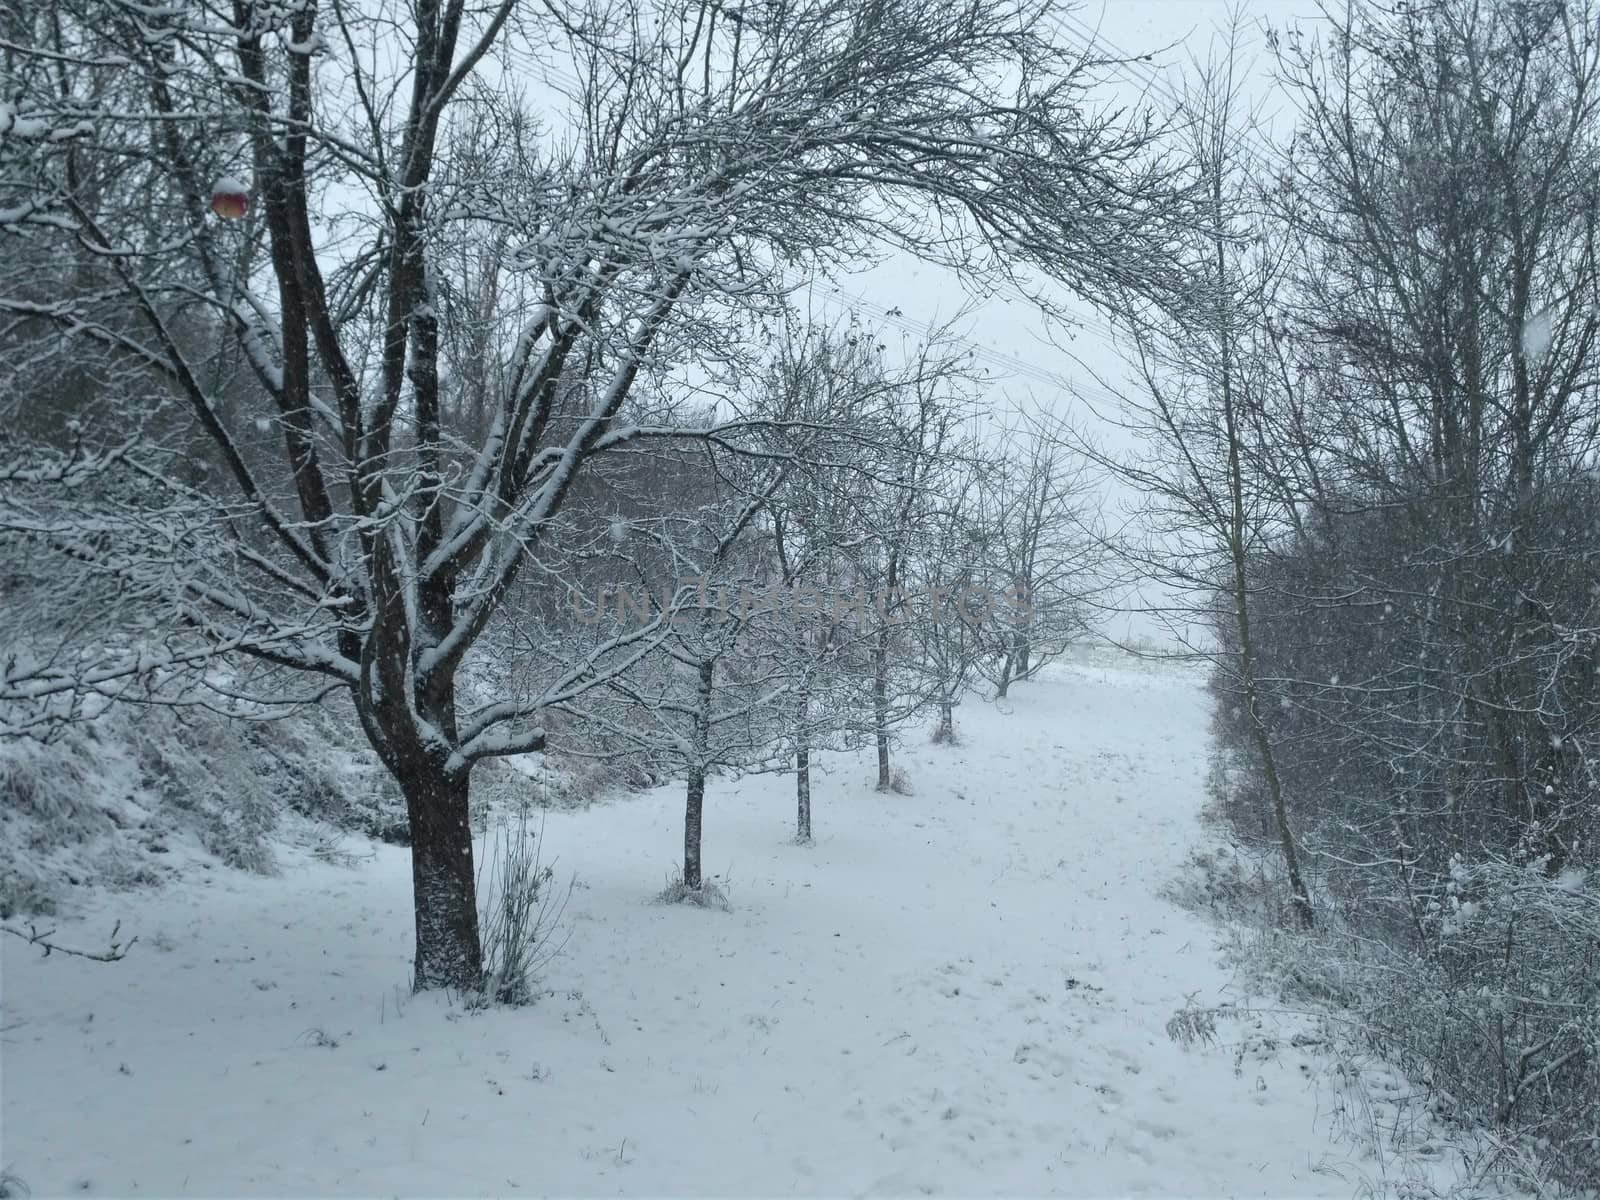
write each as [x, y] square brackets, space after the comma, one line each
[802, 793]
[946, 732]
[804, 765]
[444, 884]
[1300, 896]
[880, 705]
[693, 807]
[695, 794]
[1005, 675]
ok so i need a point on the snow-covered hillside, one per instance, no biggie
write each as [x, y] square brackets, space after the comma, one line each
[962, 990]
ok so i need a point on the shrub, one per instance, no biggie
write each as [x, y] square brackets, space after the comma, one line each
[520, 911]
[196, 770]
[711, 893]
[1491, 1006]
[105, 802]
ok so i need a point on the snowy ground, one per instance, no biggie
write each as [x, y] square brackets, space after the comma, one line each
[959, 991]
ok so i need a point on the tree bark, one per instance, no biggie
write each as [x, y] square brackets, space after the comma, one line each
[694, 806]
[880, 705]
[449, 953]
[695, 793]
[802, 792]
[802, 770]
[1300, 896]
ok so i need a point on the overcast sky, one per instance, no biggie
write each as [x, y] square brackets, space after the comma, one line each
[1007, 329]
[1023, 356]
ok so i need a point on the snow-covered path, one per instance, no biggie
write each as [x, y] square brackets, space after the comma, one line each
[961, 991]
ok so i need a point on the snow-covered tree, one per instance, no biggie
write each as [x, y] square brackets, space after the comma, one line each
[275, 198]
[1205, 383]
[828, 378]
[927, 442]
[1046, 561]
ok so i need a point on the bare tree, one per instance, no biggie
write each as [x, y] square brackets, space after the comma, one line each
[683, 158]
[952, 624]
[714, 693]
[1206, 381]
[1045, 555]
[923, 433]
[828, 378]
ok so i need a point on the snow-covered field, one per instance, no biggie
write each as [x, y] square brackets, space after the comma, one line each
[963, 990]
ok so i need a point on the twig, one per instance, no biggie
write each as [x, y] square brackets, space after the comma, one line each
[34, 936]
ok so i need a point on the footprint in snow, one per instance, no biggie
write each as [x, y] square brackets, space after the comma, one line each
[1161, 1133]
[1042, 1059]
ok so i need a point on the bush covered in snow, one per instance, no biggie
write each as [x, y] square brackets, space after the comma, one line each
[129, 798]
[1491, 1006]
[71, 812]
[1499, 1012]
